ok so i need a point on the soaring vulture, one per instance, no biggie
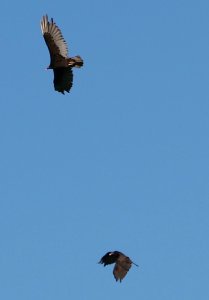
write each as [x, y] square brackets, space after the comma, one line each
[122, 263]
[60, 62]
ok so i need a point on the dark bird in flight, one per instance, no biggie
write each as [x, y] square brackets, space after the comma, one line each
[60, 62]
[122, 263]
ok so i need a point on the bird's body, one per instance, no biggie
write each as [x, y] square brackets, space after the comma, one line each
[59, 61]
[122, 263]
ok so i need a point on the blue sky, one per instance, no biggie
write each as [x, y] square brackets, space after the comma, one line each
[120, 163]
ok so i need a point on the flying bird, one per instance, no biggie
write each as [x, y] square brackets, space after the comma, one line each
[122, 263]
[59, 61]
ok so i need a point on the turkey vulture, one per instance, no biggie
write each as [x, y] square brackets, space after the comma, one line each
[122, 263]
[60, 62]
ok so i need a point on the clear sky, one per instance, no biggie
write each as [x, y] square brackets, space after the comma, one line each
[120, 163]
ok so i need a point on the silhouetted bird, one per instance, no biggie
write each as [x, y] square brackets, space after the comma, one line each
[122, 263]
[60, 62]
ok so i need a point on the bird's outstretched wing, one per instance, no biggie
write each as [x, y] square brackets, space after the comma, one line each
[122, 266]
[63, 79]
[109, 258]
[53, 38]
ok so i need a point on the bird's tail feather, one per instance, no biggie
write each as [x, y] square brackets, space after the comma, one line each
[135, 264]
